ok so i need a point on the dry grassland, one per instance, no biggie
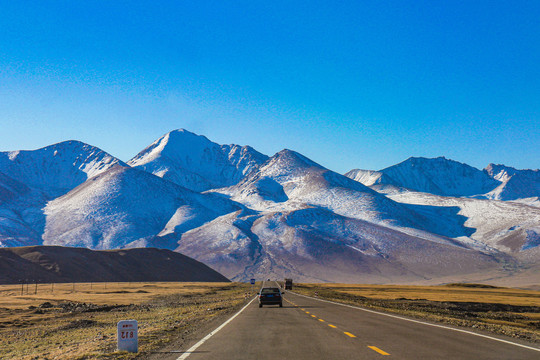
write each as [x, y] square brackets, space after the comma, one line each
[457, 292]
[507, 311]
[78, 321]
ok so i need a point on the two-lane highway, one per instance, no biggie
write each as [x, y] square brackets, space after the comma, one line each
[307, 328]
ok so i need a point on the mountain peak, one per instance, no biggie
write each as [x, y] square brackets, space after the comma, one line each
[514, 183]
[171, 144]
[293, 157]
[436, 161]
[440, 176]
[185, 135]
[195, 162]
[56, 168]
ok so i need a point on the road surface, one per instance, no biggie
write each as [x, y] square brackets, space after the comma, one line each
[311, 329]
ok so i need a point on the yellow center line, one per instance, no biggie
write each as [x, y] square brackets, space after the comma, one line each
[335, 327]
[374, 348]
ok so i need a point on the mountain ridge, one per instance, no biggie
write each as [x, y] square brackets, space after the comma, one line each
[432, 175]
[245, 213]
[57, 168]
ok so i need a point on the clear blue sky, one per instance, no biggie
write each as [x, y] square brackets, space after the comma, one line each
[350, 84]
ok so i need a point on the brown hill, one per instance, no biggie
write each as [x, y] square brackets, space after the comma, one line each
[46, 264]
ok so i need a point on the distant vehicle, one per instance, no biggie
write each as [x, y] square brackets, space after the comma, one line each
[270, 296]
[288, 284]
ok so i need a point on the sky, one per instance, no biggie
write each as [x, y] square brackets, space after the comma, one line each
[349, 84]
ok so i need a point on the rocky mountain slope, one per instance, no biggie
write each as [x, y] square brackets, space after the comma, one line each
[317, 245]
[45, 264]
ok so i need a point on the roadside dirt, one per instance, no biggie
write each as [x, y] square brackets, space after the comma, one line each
[183, 340]
[61, 326]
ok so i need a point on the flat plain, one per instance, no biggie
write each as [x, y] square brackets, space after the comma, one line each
[78, 321]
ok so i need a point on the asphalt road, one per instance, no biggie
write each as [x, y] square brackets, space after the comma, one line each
[310, 329]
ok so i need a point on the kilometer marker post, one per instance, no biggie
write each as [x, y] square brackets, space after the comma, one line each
[127, 335]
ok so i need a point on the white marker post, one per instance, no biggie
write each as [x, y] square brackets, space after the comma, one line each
[127, 335]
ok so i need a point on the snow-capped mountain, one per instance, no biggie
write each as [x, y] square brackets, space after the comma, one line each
[247, 214]
[57, 168]
[126, 207]
[30, 178]
[509, 227]
[290, 181]
[317, 245]
[514, 184]
[441, 176]
[303, 214]
[195, 162]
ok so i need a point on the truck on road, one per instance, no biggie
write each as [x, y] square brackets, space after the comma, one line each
[288, 284]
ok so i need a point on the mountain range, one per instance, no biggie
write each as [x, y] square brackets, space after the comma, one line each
[247, 215]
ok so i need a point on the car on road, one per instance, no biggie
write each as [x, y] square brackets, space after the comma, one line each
[270, 296]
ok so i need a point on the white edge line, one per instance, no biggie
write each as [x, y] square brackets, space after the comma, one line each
[424, 323]
[203, 340]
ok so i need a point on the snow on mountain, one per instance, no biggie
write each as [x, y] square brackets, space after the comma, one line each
[21, 218]
[20, 227]
[315, 244]
[369, 177]
[515, 184]
[124, 207]
[195, 162]
[57, 168]
[509, 227]
[10, 188]
[499, 172]
[444, 177]
[279, 216]
[440, 176]
[312, 224]
[290, 181]
[28, 179]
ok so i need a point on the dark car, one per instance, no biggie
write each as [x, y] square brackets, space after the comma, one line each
[270, 296]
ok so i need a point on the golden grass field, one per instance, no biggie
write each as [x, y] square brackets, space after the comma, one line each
[80, 322]
[508, 311]
[442, 293]
[20, 297]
